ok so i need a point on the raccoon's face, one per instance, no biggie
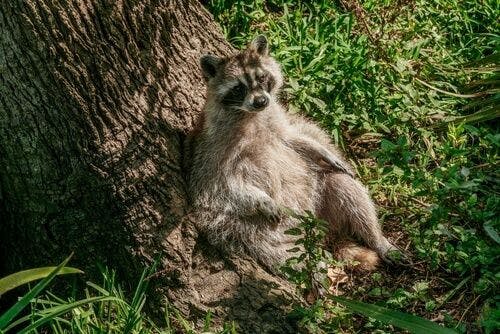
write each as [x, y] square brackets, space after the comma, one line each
[247, 81]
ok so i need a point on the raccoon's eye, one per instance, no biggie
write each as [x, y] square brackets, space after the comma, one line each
[240, 89]
[261, 78]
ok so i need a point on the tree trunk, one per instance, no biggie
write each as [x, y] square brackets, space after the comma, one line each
[96, 100]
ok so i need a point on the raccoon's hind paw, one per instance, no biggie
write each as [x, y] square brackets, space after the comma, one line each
[396, 257]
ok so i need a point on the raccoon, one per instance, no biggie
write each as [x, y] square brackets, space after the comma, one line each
[252, 161]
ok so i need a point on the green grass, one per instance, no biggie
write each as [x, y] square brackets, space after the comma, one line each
[105, 308]
[410, 90]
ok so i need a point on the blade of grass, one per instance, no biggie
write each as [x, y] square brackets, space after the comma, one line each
[486, 114]
[446, 92]
[452, 292]
[22, 277]
[406, 321]
[185, 325]
[208, 321]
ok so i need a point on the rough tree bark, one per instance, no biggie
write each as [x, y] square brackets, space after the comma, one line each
[96, 99]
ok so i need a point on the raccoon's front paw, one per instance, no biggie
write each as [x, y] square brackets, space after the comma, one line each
[270, 210]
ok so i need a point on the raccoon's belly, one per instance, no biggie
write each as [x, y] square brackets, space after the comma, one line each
[290, 182]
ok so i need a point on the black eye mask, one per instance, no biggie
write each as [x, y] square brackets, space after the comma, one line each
[235, 96]
[266, 82]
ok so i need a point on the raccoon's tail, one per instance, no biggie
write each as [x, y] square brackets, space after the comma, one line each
[356, 256]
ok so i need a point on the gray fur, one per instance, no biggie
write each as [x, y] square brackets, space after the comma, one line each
[250, 165]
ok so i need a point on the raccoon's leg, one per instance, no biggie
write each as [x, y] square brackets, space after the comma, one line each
[348, 208]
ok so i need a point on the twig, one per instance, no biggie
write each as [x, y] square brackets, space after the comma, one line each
[467, 310]
[425, 205]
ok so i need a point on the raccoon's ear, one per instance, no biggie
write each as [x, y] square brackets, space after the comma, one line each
[259, 44]
[210, 65]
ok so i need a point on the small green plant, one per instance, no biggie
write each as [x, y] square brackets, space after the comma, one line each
[311, 259]
[308, 269]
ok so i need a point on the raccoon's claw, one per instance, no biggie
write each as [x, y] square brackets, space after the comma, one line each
[275, 218]
[344, 170]
[271, 211]
[340, 166]
[395, 256]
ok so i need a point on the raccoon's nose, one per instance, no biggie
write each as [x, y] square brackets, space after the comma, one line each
[260, 102]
